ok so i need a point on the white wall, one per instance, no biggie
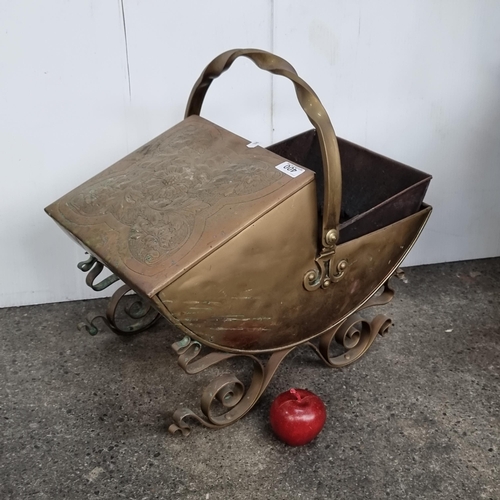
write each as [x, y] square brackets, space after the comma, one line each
[417, 80]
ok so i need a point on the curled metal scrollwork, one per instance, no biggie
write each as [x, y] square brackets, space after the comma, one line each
[315, 277]
[94, 273]
[86, 265]
[94, 268]
[143, 314]
[325, 274]
[355, 334]
[140, 311]
[227, 390]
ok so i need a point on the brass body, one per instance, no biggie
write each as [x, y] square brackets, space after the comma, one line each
[248, 296]
[231, 250]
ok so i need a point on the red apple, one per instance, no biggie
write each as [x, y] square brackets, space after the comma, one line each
[297, 416]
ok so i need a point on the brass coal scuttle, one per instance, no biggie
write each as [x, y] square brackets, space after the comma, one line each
[249, 251]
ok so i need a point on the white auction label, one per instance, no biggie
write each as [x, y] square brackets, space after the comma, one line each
[290, 169]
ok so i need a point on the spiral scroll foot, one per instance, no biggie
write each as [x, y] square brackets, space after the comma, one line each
[138, 316]
[226, 391]
[355, 335]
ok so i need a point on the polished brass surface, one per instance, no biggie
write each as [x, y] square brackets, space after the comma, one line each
[314, 110]
[242, 257]
[168, 205]
[332, 237]
[249, 295]
[354, 336]
[323, 276]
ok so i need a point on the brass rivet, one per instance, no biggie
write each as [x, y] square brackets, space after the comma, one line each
[342, 265]
[311, 276]
[331, 237]
[327, 283]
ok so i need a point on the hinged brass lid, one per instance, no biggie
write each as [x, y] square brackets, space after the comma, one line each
[166, 206]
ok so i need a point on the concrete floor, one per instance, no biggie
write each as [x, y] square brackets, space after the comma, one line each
[417, 417]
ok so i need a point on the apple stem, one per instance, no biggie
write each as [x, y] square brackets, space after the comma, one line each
[296, 394]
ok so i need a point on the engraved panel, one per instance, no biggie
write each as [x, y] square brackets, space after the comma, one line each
[169, 204]
[178, 179]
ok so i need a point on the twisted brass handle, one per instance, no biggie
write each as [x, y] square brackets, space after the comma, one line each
[315, 112]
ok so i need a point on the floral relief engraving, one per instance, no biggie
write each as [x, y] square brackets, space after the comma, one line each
[168, 184]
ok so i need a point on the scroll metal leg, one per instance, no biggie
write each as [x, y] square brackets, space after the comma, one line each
[139, 314]
[354, 335]
[226, 389]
